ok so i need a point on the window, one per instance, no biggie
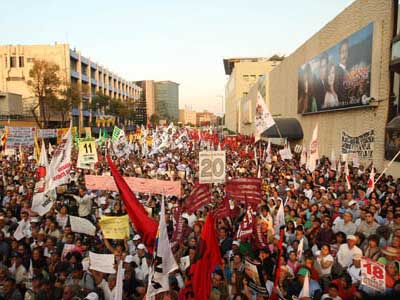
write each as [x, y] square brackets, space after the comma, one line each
[30, 59]
[13, 61]
[21, 61]
[246, 77]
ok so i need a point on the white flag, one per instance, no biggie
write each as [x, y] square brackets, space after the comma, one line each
[314, 152]
[333, 160]
[280, 217]
[120, 282]
[371, 182]
[303, 156]
[43, 161]
[164, 261]
[300, 249]
[60, 165]
[42, 202]
[269, 153]
[305, 291]
[263, 118]
[82, 225]
[356, 160]
[347, 175]
[50, 149]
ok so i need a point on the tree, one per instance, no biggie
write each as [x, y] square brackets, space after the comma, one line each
[45, 84]
[100, 102]
[154, 119]
[71, 97]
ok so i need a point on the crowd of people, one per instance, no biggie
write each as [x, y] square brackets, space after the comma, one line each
[334, 225]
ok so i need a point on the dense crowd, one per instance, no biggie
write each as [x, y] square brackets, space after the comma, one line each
[335, 226]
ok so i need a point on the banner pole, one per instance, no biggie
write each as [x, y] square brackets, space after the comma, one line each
[387, 167]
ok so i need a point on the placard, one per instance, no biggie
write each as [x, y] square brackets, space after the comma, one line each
[115, 227]
[212, 166]
[373, 274]
[256, 282]
[47, 133]
[102, 262]
[363, 144]
[87, 155]
[20, 136]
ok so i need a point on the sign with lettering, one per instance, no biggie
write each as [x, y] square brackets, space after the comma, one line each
[363, 144]
[212, 166]
[373, 274]
[20, 136]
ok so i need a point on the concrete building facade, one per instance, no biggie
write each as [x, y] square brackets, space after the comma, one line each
[148, 92]
[167, 100]
[17, 60]
[243, 73]
[187, 116]
[381, 86]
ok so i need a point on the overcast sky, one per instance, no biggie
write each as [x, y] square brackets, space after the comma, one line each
[179, 40]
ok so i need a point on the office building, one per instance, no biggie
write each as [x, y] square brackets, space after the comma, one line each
[146, 104]
[167, 100]
[17, 60]
[243, 73]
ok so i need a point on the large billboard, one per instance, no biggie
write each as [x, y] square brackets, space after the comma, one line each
[339, 77]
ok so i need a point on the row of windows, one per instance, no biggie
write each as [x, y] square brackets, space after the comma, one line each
[251, 77]
[15, 61]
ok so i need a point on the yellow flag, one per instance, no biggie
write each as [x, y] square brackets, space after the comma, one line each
[36, 153]
[115, 227]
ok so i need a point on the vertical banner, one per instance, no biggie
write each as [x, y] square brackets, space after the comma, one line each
[212, 167]
[263, 118]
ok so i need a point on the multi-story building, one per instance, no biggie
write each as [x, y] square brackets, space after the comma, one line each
[147, 102]
[167, 100]
[187, 117]
[243, 73]
[17, 60]
[206, 118]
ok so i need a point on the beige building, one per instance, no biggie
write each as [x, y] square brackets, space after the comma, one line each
[187, 116]
[345, 78]
[10, 105]
[206, 118]
[243, 73]
[17, 60]
[148, 88]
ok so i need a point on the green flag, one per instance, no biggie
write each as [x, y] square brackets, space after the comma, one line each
[116, 133]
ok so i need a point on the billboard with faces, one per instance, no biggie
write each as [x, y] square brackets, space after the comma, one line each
[339, 77]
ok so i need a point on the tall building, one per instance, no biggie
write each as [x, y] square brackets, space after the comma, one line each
[243, 73]
[146, 106]
[167, 100]
[187, 117]
[17, 60]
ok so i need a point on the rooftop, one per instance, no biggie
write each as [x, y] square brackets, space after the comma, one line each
[229, 63]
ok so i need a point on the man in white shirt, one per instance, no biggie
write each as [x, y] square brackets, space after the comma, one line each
[140, 259]
[84, 202]
[348, 251]
[355, 270]
[345, 225]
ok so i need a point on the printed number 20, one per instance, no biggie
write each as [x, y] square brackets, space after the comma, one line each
[212, 167]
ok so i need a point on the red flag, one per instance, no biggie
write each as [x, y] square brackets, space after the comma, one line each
[371, 181]
[145, 226]
[199, 197]
[223, 210]
[246, 226]
[245, 190]
[207, 258]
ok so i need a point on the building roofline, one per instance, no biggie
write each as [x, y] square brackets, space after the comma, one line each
[229, 63]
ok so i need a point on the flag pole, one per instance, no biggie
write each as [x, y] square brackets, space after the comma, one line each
[387, 167]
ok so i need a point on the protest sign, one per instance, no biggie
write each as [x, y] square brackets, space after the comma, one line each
[363, 144]
[42, 202]
[256, 282]
[20, 137]
[115, 227]
[140, 185]
[87, 155]
[373, 274]
[212, 167]
[47, 133]
[102, 262]
[82, 225]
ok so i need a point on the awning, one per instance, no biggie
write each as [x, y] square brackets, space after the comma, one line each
[394, 123]
[289, 128]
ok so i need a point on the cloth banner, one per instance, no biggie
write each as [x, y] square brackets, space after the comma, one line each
[363, 144]
[20, 136]
[245, 190]
[263, 118]
[139, 185]
[199, 197]
[373, 274]
[82, 225]
[115, 227]
[47, 133]
[42, 202]
[102, 262]
[246, 226]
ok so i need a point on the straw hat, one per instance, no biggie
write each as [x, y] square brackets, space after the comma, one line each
[390, 251]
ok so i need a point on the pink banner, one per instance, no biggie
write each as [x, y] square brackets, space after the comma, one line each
[140, 185]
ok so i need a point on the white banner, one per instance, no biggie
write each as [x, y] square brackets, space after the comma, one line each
[60, 165]
[362, 145]
[119, 142]
[20, 136]
[81, 225]
[263, 118]
[47, 133]
[314, 150]
[212, 166]
[373, 274]
[43, 202]
[102, 262]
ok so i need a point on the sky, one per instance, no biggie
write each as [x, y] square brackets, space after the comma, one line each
[180, 40]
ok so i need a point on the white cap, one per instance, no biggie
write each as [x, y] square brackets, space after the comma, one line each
[92, 296]
[237, 243]
[141, 246]
[352, 202]
[351, 237]
[136, 237]
[128, 259]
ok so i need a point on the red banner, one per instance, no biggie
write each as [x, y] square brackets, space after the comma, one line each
[245, 190]
[200, 196]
